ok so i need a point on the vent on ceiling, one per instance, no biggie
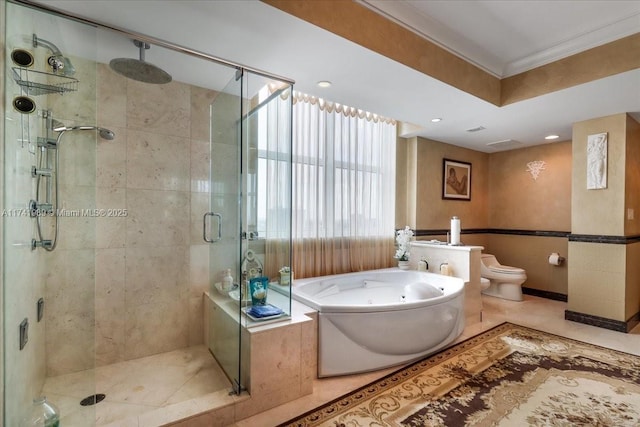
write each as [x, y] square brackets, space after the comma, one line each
[504, 144]
[476, 129]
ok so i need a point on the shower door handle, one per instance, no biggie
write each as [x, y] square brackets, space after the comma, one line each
[204, 227]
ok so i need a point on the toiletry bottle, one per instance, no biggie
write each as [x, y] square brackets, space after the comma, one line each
[227, 280]
[423, 265]
[43, 414]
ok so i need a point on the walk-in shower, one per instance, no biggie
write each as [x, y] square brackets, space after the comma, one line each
[118, 308]
[51, 173]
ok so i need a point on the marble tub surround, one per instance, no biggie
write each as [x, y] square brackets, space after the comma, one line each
[464, 262]
[279, 359]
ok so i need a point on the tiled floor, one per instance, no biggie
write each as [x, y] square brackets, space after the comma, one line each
[538, 313]
[160, 381]
[136, 386]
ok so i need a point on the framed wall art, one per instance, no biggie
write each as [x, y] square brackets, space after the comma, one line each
[456, 180]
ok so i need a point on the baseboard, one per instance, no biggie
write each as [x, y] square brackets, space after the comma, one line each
[544, 294]
[603, 322]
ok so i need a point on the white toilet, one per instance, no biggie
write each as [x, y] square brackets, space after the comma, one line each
[504, 282]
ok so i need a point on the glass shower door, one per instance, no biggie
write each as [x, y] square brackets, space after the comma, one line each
[249, 222]
[222, 226]
[49, 195]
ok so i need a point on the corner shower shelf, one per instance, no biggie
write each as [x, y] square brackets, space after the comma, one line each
[42, 83]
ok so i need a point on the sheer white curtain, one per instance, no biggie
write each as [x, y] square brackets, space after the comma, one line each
[343, 188]
[273, 183]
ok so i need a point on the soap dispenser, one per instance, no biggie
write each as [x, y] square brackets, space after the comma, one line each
[227, 280]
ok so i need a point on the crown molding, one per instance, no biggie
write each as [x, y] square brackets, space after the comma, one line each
[600, 36]
[407, 16]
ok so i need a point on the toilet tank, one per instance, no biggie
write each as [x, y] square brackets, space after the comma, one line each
[488, 260]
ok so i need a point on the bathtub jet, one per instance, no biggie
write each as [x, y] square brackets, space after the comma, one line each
[381, 318]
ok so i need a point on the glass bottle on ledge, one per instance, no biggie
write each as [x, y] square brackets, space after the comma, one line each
[43, 414]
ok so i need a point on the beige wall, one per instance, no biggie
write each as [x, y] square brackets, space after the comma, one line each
[632, 178]
[532, 253]
[597, 279]
[503, 196]
[601, 212]
[632, 285]
[517, 201]
[604, 279]
[431, 211]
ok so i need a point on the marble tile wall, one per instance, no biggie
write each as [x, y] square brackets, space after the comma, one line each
[151, 265]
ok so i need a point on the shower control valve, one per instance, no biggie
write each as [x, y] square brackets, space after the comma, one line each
[37, 209]
[40, 172]
[55, 63]
[40, 244]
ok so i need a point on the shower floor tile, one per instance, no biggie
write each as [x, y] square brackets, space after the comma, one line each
[136, 386]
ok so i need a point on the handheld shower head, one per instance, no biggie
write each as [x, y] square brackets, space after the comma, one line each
[104, 133]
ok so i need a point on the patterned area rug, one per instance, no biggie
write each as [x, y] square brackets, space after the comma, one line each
[507, 376]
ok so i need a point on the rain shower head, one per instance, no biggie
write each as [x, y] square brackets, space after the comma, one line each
[59, 62]
[139, 69]
[103, 132]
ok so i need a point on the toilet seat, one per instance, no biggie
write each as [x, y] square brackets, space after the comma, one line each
[505, 269]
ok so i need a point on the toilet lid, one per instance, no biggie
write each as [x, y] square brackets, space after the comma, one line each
[505, 269]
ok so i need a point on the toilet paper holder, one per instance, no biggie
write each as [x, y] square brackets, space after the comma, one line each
[556, 259]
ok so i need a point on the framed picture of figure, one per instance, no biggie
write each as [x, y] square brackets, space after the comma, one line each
[456, 180]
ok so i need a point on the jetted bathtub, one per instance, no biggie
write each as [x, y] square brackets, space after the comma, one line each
[380, 318]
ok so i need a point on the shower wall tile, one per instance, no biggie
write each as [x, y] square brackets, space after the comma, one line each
[156, 328]
[200, 166]
[70, 315]
[198, 270]
[157, 275]
[112, 98]
[161, 109]
[227, 206]
[198, 285]
[196, 320]
[201, 100]
[77, 217]
[111, 160]
[224, 118]
[157, 218]
[110, 305]
[111, 230]
[199, 206]
[225, 254]
[77, 107]
[224, 158]
[159, 162]
[78, 157]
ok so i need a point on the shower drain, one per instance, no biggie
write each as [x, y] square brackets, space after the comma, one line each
[93, 399]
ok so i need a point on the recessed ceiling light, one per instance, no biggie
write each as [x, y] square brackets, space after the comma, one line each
[436, 120]
[324, 83]
[551, 137]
